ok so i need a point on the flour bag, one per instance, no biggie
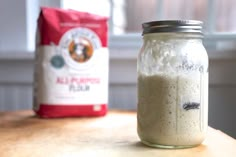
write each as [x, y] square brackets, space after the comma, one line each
[71, 64]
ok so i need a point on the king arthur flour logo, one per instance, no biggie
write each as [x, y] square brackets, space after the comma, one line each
[78, 46]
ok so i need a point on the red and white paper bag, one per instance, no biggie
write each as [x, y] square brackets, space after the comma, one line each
[71, 65]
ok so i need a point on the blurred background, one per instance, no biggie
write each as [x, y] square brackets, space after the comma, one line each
[17, 45]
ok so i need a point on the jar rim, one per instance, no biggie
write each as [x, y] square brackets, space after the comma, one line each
[188, 26]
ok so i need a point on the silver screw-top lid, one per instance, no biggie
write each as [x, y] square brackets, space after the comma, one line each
[191, 26]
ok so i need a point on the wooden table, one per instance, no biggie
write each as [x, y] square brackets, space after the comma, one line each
[24, 135]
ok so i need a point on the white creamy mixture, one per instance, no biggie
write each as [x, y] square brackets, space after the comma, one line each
[173, 108]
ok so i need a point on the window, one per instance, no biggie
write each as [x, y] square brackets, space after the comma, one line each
[129, 15]
[126, 17]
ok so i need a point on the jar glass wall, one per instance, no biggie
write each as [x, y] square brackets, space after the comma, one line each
[172, 89]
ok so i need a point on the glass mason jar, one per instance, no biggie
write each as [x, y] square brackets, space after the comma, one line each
[172, 85]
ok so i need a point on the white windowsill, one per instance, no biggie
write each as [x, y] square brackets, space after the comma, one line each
[219, 46]
[16, 55]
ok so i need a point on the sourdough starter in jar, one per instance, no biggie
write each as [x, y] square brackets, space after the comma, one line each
[172, 85]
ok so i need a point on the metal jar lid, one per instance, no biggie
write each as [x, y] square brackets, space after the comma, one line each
[191, 26]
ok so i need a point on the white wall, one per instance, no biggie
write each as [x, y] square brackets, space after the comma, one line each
[13, 25]
[16, 78]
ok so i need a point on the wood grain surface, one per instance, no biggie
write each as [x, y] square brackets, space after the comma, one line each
[22, 134]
